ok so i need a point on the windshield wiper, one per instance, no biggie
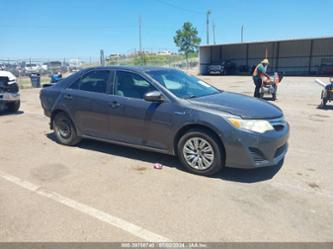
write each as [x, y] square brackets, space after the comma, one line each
[196, 96]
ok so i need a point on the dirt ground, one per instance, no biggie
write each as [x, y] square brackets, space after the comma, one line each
[293, 202]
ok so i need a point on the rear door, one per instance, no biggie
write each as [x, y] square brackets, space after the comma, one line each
[87, 100]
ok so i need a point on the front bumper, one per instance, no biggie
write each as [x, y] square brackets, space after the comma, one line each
[9, 97]
[249, 150]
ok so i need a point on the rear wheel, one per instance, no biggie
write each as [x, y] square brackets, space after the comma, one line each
[200, 152]
[65, 130]
[13, 106]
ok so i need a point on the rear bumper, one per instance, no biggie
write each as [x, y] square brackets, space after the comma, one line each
[249, 150]
[9, 97]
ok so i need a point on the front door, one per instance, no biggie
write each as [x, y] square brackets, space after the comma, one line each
[133, 118]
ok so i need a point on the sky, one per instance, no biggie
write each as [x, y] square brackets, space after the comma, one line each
[80, 28]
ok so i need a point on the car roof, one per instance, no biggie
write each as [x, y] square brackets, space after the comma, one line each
[133, 68]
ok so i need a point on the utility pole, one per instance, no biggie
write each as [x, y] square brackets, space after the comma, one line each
[102, 59]
[242, 33]
[214, 33]
[207, 23]
[140, 40]
[140, 37]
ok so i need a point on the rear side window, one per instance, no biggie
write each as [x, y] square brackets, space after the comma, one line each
[94, 81]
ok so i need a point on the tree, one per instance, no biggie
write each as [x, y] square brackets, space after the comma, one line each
[187, 39]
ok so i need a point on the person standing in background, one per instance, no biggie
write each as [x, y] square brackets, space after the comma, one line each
[258, 73]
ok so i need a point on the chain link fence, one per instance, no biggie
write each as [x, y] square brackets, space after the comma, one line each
[23, 68]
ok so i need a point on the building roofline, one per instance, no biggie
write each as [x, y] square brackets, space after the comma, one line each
[270, 41]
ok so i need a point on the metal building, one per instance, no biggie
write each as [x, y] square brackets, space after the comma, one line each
[292, 57]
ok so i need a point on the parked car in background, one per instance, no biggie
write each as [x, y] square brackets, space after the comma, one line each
[167, 111]
[229, 67]
[44, 67]
[9, 92]
[74, 65]
[31, 68]
[225, 68]
[54, 66]
[216, 69]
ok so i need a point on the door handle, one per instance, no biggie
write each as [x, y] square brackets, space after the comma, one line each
[68, 96]
[114, 104]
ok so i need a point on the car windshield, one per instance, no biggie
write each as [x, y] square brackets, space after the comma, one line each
[181, 84]
[3, 81]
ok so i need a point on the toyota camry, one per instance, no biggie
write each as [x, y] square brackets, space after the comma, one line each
[167, 111]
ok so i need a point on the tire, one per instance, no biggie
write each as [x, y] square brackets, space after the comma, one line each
[13, 106]
[323, 103]
[209, 162]
[65, 130]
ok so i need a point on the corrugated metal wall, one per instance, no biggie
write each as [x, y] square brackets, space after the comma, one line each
[294, 57]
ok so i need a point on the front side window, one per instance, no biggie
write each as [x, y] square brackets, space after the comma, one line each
[181, 84]
[94, 81]
[131, 85]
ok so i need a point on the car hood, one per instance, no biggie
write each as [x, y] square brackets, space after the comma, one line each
[240, 105]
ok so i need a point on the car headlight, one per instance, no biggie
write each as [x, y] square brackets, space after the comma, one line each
[260, 126]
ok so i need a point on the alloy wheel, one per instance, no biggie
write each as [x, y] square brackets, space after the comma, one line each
[198, 153]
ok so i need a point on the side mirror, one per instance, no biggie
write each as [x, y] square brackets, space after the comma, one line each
[154, 96]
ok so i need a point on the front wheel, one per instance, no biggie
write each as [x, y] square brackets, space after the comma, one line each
[65, 130]
[200, 152]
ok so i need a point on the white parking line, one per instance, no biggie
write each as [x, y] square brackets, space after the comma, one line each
[93, 212]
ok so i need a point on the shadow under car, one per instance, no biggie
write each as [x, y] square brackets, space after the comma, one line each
[228, 174]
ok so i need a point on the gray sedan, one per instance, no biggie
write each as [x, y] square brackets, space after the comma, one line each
[167, 111]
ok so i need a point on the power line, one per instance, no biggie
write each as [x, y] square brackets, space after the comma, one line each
[180, 8]
[115, 28]
[67, 27]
